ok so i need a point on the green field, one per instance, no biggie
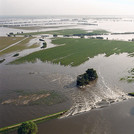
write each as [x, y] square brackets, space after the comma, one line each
[7, 41]
[68, 32]
[19, 47]
[59, 32]
[76, 51]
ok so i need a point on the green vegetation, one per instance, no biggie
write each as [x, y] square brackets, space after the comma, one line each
[58, 32]
[1, 61]
[44, 45]
[87, 77]
[77, 51]
[28, 128]
[19, 47]
[131, 94]
[123, 33]
[67, 32]
[37, 120]
[33, 46]
[129, 78]
[7, 41]
[92, 33]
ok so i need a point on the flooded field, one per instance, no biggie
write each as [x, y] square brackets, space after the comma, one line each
[103, 107]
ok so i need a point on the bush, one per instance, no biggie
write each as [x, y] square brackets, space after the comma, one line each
[85, 78]
[28, 128]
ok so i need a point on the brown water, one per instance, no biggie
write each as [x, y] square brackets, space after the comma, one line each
[115, 119]
[103, 107]
[14, 78]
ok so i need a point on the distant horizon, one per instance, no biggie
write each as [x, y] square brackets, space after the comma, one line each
[63, 15]
[66, 7]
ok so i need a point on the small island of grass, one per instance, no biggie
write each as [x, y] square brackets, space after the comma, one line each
[2, 60]
[131, 94]
[44, 45]
[84, 79]
[130, 77]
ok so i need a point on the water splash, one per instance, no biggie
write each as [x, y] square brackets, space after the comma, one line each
[95, 96]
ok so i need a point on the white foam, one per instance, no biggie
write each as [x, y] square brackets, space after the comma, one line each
[94, 97]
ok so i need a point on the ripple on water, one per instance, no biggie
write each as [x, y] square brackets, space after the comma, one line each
[98, 95]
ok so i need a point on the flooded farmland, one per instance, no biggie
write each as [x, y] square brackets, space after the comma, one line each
[102, 107]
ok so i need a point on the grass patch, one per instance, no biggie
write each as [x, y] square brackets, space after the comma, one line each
[58, 32]
[76, 51]
[1, 61]
[130, 80]
[131, 94]
[20, 46]
[34, 98]
[35, 45]
[76, 32]
[7, 41]
[68, 32]
[122, 78]
[130, 77]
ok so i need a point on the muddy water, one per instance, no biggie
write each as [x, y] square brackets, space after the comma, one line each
[115, 119]
[110, 117]
[101, 98]
[29, 78]
[102, 108]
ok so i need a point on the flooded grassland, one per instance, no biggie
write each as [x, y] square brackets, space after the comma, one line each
[40, 81]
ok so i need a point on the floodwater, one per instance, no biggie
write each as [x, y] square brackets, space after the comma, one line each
[115, 119]
[105, 101]
[110, 110]
[101, 108]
